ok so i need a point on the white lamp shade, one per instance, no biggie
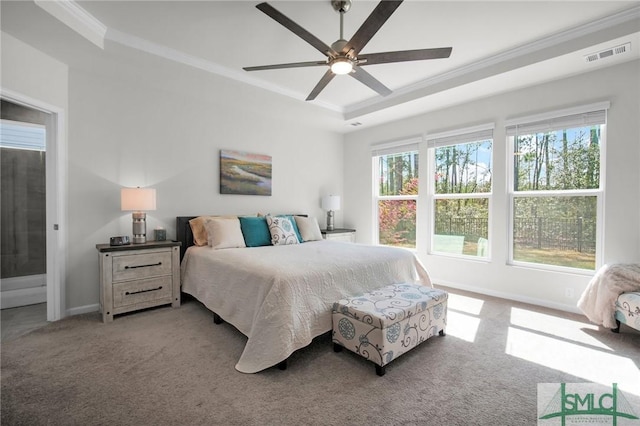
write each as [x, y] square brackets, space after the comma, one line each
[331, 202]
[137, 199]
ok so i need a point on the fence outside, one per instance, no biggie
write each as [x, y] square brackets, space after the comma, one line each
[471, 227]
[536, 233]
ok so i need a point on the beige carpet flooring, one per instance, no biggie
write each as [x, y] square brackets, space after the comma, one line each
[175, 367]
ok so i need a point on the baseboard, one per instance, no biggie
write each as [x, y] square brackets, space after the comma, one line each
[83, 309]
[510, 296]
[23, 282]
[23, 297]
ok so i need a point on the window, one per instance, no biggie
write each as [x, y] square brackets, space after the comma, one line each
[556, 188]
[461, 191]
[395, 183]
[19, 135]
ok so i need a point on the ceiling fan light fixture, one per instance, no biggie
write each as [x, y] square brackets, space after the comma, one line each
[342, 56]
[341, 66]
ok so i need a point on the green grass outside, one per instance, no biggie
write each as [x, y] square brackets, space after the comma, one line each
[566, 258]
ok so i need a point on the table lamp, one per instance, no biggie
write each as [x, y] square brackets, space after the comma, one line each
[138, 200]
[330, 203]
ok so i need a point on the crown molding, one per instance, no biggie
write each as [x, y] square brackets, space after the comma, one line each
[78, 19]
[85, 24]
[75, 17]
[619, 18]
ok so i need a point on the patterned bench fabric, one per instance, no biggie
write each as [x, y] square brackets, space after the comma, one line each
[628, 309]
[384, 324]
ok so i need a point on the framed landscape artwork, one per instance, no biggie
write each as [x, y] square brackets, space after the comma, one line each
[245, 173]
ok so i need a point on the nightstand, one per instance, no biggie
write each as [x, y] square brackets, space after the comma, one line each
[340, 234]
[138, 276]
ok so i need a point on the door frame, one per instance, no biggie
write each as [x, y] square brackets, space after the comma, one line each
[56, 196]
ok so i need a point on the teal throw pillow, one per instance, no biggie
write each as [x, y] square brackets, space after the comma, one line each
[255, 231]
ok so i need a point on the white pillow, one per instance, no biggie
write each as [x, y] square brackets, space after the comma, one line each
[309, 228]
[282, 232]
[224, 233]
[198, 230]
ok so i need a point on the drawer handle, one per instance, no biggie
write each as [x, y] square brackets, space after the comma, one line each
[128, 293]
[143, 266]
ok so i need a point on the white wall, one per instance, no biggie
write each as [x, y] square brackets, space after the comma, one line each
[619, 84]
[163, 127]
[31, 73]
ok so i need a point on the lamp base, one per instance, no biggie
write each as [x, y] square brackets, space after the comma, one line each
[139, 239]
[139, 227]
[330, 220]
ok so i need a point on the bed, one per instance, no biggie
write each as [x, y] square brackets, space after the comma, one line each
[280, 297]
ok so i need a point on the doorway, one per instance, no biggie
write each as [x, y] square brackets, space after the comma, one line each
[35, 265]
[23, 262]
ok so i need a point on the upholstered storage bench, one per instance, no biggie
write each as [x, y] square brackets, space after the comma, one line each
[383, 324]
[628, 310]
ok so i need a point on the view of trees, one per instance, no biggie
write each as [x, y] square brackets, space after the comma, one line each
[397, 218]
[547, 229]
[563, 160]
[398, 174]
[463, 168]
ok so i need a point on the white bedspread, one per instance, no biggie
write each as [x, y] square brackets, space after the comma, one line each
[281, 297]
[598, 301]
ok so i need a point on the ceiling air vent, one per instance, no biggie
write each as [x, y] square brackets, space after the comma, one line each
[607, 53]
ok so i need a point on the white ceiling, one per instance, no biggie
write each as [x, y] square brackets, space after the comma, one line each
[497, 46]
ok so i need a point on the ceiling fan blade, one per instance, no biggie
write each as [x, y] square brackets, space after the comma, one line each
[371, 25]
[326, 78]
[404, 56]
[295, 28]
[370, 81]
[291, 65]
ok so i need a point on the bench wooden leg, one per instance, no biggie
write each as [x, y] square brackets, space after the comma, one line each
[617, 329]
[217, 319]
[380, 370]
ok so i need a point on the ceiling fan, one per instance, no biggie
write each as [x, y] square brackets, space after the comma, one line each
[343, 57]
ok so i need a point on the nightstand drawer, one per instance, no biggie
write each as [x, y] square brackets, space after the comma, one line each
[133, 267]
[133, 292]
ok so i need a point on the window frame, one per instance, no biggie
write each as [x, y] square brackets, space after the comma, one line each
[400, 146]
[599, 193]
[459, 136]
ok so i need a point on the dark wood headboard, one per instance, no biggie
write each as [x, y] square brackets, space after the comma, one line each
[183, 233]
